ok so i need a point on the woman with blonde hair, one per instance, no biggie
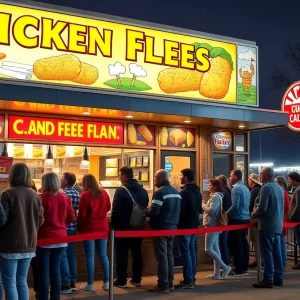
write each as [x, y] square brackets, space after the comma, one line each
[226, 204]
[211, 209]
[58, 213]
[18, 235]
[283, 183]
[93, 207]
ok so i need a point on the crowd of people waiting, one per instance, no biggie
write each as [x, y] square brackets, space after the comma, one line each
[58, 209]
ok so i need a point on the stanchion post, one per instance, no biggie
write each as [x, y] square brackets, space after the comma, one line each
[295, 248]
[258, 258]
[111, 264]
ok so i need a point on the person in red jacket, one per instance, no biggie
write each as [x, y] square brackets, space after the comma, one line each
[58, 213]
[283, 183]
[93, 207]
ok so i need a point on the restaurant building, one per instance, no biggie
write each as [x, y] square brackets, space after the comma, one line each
[90, 93]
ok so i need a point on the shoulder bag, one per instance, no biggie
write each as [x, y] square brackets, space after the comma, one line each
[138, 216]
[222, 219]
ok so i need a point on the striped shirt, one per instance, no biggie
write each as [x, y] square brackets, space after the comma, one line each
[75, 197]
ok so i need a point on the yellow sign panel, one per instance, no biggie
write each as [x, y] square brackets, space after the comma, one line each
[56, 48]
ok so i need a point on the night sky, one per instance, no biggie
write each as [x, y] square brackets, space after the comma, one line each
[272, 24]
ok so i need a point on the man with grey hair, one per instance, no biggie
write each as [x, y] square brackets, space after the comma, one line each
[269, 208]
[164, 214]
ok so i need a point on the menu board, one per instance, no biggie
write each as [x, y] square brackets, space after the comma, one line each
[222, 141]
[37, 151]
[18, 151]
[61, 151]
[78, 150]
[141, 135]
[175, 137]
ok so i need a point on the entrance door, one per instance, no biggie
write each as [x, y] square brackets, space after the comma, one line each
[174, 162]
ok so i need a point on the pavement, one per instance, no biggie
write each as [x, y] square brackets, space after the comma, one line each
[232, 288]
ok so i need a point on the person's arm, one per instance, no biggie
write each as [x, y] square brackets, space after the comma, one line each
[254, 194]
[41, 213]
[263, 202]
[2, 216]
[105, 195]
[81, 212]
[117, 208]
[70, 212]
[156, 204]
[211, 206]
[235, 202]
[286, 203]
[184, 199]
[295, 199]
[6, 204]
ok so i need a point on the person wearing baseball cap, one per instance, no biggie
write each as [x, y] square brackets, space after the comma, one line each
[255, 186]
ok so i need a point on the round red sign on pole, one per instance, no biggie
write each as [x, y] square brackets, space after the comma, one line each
[291, 105]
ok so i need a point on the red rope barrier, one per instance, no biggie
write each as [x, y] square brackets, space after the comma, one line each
[146, 233]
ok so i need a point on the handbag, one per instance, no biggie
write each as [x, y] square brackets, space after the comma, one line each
[138, 217]
[222, 219]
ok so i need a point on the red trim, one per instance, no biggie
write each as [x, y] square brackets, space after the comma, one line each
[147, 233]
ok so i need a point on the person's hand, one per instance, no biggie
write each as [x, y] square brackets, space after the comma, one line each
[148, 207]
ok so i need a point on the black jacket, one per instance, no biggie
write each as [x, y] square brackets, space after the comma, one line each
[165, 208]
[191, 206]
[254, 193]
[226, 201]
[122, 204]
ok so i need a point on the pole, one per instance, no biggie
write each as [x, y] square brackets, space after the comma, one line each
[258, 258]
[111, 264]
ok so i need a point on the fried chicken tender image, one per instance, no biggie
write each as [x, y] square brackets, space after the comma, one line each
[88, 74]
[62, 67]
[215, 82]
[175, 80]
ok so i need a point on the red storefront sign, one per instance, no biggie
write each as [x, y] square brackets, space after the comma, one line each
[32, 128]
[291, 105]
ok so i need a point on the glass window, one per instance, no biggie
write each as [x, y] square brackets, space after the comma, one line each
[241, 164]
[240, 143]
[221, 164]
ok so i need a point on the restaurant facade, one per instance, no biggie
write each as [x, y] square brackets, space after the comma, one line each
[89, 93]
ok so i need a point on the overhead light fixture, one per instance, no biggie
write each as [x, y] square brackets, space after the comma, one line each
[187, 121]
[4, 152]
[129, 116]
[85, 163]
[49, 161]
[242, 126]
[86, 113]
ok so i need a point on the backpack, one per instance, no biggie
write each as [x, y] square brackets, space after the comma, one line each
[222, 219]
[138, 217]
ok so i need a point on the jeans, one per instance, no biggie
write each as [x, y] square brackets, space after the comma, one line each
[89, 251]
[283, 250]
[68, 267]
[14, 277]
[163, 250]
[223, 244]
[49, 260]
[239, 246]
[122, 247]
[271, 251]
[213, 250]
[35, 273]
[187, 245]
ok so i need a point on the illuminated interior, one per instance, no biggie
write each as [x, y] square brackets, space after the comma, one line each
[104, 163]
